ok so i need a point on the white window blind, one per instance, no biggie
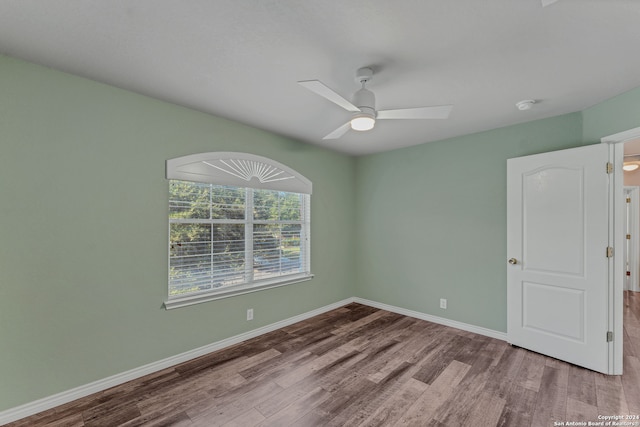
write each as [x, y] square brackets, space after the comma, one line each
[227, 239]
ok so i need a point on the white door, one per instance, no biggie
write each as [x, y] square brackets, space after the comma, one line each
[557, 245]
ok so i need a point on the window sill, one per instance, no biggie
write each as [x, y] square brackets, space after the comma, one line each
[236, 290]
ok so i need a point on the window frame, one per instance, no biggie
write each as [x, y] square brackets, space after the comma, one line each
[249, 172]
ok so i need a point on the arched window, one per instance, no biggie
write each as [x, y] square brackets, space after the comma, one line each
[238, 223]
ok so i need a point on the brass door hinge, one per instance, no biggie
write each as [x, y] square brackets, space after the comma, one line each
[628, 199]
[609, 167]
[628, 236]
[609, 336]
[609, 252]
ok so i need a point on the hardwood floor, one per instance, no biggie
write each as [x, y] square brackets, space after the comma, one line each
[361, 366]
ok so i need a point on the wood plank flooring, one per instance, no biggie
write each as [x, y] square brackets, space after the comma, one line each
[361, 366]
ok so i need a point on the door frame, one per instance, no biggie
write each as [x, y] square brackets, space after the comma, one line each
[632, 249]
[617, 240]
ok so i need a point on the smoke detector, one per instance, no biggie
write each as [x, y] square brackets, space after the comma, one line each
[525, 104]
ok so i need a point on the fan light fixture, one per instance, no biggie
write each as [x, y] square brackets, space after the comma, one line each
[630, 167]
[362, 122]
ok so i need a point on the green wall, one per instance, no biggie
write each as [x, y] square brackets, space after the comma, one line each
[83, 231]
[614, 115]
[432, 220]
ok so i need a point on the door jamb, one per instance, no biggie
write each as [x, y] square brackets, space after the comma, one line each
[616, 240]
[633, 221]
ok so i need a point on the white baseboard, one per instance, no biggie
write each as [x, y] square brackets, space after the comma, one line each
[58, 399]
[435, 319]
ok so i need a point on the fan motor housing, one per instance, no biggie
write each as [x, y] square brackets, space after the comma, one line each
[364, 98]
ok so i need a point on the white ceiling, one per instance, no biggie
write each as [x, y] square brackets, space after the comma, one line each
[241, 59]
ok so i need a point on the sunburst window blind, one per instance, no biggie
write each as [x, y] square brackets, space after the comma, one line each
[237, 223]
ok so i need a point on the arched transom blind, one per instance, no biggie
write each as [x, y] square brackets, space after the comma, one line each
[239, 169]
[237, 223]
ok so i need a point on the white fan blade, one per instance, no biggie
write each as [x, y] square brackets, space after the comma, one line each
[436, 112]
[339, 132]
[546, 3]
[321, 89]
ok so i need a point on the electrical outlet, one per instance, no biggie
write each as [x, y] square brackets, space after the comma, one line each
[443, 303]
[250, 314]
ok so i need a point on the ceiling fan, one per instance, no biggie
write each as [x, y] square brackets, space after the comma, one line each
[364, 106]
